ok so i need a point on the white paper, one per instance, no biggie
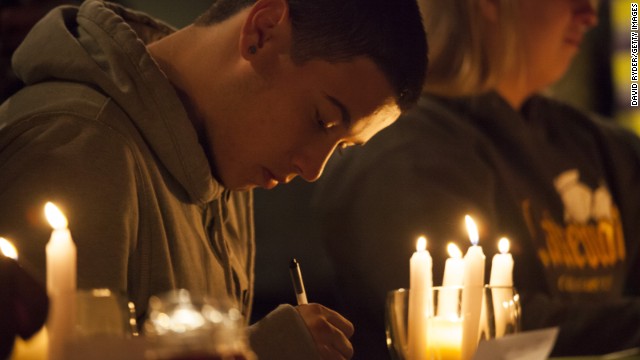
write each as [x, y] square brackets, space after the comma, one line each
[529, 345]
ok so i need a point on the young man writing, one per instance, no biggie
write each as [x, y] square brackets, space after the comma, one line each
[151, 139]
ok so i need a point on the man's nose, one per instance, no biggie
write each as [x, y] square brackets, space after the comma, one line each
[311, 163]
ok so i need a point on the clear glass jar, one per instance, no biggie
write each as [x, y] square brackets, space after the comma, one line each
[182, 328]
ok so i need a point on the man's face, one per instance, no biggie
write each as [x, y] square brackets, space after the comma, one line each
[287, 121]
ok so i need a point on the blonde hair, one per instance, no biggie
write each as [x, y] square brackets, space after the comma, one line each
[461, 59]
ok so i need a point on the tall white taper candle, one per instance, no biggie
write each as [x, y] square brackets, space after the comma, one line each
[473, 283]
[61, 283]
[420, 283]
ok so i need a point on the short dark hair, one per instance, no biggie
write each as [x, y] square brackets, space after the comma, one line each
[389, 32]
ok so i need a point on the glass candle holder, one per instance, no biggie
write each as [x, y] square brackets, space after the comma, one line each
[445, 322]
[182, 327]
[104, 327]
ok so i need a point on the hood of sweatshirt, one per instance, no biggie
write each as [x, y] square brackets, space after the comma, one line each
[104, 46]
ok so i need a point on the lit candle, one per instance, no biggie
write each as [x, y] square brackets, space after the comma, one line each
[502, 266]
[7, 249]
[448, 301]
[36, 348]
[445, 337]
[419, 304]
[61, 282]
[502, 275]
[473, 282]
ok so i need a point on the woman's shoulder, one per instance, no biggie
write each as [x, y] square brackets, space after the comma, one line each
[575, 117]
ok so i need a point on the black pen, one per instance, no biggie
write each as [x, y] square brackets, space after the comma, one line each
[298, 285]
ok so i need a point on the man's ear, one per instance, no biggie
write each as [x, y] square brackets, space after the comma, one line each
[267, 24]
[489, 9]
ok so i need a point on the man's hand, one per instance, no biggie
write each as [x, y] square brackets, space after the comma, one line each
[330, 331]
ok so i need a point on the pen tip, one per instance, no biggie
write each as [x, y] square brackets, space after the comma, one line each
[293, 262]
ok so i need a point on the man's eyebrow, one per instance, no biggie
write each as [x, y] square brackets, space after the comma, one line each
[344, 112]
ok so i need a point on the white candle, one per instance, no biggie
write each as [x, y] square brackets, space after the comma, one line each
[448, 301]
[502, 266]
[419, 304]
[61, 282]
[501, 275]
[473, 283]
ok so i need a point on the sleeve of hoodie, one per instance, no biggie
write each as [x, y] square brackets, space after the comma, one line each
[87, 171]
[282, 335]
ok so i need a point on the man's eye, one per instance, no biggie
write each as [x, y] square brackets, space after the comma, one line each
[325, 125]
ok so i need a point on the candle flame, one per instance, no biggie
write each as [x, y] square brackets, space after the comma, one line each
[7, 249]
[421, 244]
[503, 245]
[472, 229]
[55, 217]
[454, 251]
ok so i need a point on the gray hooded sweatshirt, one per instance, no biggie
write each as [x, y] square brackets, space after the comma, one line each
[100, 131]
